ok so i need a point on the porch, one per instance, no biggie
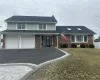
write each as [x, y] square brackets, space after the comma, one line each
[46, 41]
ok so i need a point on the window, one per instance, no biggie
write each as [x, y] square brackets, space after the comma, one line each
[20, 26]
[79, 38]
[85, 38]
[42, 26]
[69, 29]
[79, 29]
[72, 38]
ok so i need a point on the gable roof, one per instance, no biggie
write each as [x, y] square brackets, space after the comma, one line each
[74, 30]
[31, 19]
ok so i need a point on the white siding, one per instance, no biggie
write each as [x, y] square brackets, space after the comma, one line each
[97, 44]
[11, 26]
[30, 26]
[51, 27]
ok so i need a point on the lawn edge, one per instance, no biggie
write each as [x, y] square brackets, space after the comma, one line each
[29, 74]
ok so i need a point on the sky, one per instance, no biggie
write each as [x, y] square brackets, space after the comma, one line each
[67, 12]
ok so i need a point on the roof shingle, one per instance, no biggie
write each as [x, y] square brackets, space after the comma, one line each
[74, 30]
[31, 19]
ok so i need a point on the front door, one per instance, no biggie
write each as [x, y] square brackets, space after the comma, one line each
[47, 41]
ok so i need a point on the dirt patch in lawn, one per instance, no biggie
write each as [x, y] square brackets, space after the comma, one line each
[83, 64]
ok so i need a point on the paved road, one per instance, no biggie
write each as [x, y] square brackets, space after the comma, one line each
[35, 56]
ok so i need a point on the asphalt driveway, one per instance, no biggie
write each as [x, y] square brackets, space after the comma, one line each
[35, 56]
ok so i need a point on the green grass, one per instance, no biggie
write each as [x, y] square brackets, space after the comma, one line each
[83, 64]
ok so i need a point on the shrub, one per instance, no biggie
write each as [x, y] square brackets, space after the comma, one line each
[82, 45]
[73, 45]
[91, 46]
[87, 46]
[63, 46]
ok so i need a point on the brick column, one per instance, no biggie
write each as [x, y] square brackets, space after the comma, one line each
[3, 41]
[90, 39]
[38, 43]
[54, 41]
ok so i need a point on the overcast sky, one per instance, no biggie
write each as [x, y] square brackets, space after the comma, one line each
[67, 12]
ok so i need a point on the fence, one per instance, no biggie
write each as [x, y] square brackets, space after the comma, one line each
[97, 44]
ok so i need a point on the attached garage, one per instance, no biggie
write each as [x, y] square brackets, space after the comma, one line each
[28, 41]
[19, 42]
[11, 42]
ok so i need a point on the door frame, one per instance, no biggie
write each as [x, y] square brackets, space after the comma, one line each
[44, 41]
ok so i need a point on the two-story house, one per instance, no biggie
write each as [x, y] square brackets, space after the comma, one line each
[40, 31]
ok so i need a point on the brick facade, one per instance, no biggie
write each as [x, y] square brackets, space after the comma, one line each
[3, 41]
[54, 41]
[62, 41]
[90, 39]
[38, 41]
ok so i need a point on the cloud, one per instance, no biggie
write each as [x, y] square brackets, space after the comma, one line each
[67, 12]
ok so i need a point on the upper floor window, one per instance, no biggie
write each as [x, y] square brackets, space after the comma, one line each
[20, 26]
[42, 26]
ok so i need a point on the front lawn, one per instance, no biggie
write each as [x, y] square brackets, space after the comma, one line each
[83, 64]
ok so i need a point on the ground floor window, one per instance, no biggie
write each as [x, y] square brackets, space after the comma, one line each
[79, 38]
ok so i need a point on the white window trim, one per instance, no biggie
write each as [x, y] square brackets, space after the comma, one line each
[79, 41]
[21, 29]
[42, 27]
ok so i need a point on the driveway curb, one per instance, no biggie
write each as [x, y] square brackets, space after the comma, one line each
[45, 63]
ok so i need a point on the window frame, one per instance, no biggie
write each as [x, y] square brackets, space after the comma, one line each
[75, 40]
[81, 37]
[21, 26]
[42, 27]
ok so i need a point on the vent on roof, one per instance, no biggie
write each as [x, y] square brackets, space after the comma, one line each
[69, 29]
[79, 29]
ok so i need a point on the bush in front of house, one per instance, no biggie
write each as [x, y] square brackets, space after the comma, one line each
[73, 46]
[63, 46]
[87, 46]
[82, 45]
[91, 46]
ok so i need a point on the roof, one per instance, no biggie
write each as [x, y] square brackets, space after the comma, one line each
[31, 19]
[74, 30]
[60, 29]
[29, 31]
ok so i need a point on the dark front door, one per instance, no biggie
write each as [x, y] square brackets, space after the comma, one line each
[46, 41]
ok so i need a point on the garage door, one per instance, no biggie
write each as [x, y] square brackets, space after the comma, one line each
[28, 41]
[11, 42]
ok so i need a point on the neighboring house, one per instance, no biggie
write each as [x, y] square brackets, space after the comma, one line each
[40, 31]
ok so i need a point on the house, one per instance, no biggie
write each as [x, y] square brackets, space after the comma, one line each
[41, 31]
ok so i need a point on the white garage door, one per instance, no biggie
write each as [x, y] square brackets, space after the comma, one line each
[11, 42]
[28, 41]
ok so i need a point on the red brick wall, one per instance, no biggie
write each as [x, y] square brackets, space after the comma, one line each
[38, 39]
[54, 41]
[3, 41]
[90, 39]
[38, 43]
[62, 41]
